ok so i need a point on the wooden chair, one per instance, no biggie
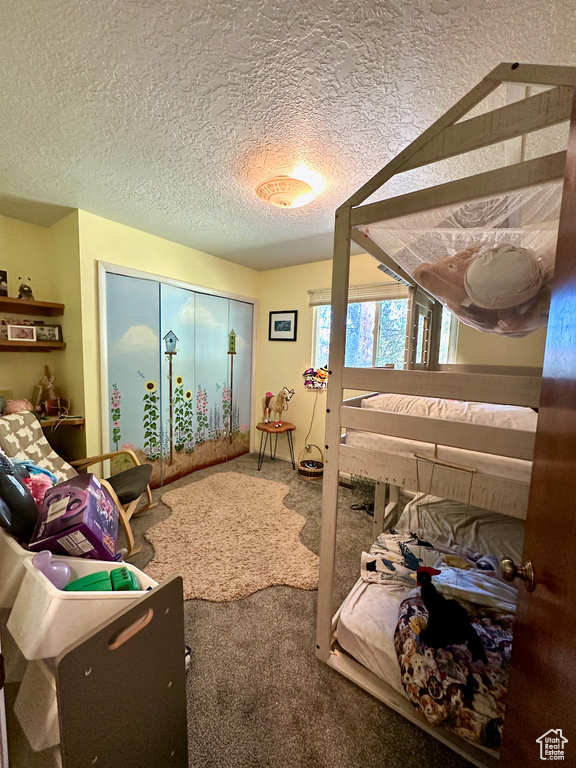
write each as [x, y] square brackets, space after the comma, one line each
[21, 437]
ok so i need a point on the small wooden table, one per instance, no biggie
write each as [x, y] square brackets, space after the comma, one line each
[270, 429]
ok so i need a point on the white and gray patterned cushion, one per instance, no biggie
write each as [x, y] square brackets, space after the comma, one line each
[21, 437]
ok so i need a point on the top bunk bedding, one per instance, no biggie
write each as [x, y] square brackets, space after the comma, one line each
[486, 414]
[499, 483]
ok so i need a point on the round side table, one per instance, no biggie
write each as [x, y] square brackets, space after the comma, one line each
[268, 430]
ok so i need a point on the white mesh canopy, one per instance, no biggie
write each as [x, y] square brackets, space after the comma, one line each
[490, 261]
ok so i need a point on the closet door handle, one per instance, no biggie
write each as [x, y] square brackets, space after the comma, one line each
[511, 571]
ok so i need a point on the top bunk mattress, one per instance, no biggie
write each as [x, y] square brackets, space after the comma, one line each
[487, 414]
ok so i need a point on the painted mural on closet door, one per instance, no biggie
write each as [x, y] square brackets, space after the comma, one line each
[179, 368]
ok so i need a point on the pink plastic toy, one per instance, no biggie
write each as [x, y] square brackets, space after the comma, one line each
[55, 571]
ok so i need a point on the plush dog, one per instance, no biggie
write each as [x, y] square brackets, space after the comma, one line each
[434, 712]
[502, 289]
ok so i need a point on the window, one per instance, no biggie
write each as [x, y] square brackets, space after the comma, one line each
[375, 333]
[448, 337]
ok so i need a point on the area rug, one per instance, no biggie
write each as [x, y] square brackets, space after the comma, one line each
[230, 535]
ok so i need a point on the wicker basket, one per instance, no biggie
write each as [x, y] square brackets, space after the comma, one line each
[311, 469]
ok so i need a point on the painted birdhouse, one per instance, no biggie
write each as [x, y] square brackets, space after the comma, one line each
[232, 342]
[170, 340]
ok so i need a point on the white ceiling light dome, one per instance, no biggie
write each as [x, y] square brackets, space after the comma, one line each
[285, 192]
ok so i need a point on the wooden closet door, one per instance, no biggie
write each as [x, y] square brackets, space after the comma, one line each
[542, 690]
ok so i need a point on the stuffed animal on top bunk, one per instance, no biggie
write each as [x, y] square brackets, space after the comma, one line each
[448, 621]
[502, 289]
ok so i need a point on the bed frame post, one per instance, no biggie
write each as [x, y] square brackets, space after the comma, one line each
[379, 509]
[340, 282]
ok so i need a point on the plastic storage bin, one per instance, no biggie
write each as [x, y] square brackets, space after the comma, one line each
[46, 620]
[12, 557]
[36, 706]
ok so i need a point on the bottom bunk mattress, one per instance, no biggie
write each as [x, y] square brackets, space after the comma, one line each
[445, 685]
[366, 624]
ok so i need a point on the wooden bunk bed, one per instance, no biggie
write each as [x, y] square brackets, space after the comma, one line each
[446, 138]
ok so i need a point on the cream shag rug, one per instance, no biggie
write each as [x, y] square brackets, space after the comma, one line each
[230, 535]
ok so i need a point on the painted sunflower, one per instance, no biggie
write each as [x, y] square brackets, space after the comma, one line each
[150, 386]
[188, 394]
[179, 380]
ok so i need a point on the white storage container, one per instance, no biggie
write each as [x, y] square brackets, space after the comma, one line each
[36, 706]
[12, 557]
[46, 620]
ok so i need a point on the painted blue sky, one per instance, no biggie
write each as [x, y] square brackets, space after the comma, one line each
[140, 313]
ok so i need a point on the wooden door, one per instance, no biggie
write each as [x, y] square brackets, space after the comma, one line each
[542, 690]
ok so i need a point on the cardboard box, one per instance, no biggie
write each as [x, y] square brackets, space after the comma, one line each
[79, 518]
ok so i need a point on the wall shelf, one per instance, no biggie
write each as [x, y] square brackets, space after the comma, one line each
[66, 421]
[28, 307]
[30, 346]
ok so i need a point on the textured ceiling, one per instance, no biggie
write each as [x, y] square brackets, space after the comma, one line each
[166, 115]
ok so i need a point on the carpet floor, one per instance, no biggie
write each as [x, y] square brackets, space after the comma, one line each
[230, 535]
[257, 695]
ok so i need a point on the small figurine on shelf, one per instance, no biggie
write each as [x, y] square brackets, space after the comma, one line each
[25, 291]
[47, 396]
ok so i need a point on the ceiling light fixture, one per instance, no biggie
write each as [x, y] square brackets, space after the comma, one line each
[285, 192]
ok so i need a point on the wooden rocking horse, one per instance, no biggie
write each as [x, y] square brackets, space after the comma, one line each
[276, 404]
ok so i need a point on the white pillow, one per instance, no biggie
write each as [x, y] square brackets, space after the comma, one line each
[454, 524]
[489, 414]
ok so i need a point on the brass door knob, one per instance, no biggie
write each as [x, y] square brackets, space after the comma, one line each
[511, 571]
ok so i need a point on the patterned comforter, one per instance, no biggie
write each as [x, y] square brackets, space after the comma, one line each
[445, 685]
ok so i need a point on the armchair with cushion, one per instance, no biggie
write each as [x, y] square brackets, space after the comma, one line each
[21, 437]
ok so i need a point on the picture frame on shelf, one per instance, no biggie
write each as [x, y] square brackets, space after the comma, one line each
[48, 333]
[283, 326]
[21, 332]
[3, 282]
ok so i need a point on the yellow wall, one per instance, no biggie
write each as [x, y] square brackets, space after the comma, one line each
[49, 257]
[476, 348]
[103, 240]
[24, 252]
[281, 363]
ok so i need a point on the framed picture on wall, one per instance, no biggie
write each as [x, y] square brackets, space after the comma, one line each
[283, 326]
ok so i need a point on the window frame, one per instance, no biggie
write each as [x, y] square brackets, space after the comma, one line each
[420, 305]
[377, 326]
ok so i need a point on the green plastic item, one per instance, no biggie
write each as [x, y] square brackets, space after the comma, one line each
[93, 582]
[118, 580]
[123, 579]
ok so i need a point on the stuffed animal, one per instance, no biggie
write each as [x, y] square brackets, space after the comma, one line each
[503, 289]
[25, 291]
[17, 406]
[38, 485]
[448, 621]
